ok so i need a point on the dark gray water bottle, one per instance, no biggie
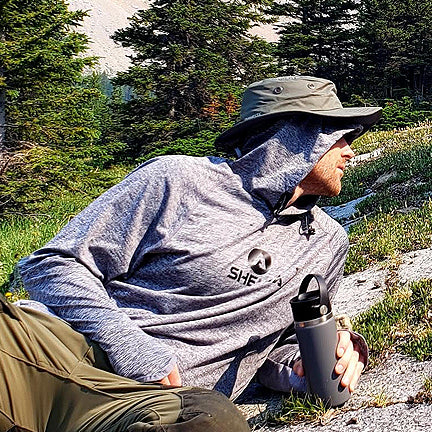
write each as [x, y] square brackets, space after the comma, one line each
[317, 337]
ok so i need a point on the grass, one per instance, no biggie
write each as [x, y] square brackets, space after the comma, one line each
[395, 220]
[22, 234]
[427, 386]
[401, 322]
[387, 235]
[425, 394]
[389, 139]
[384, 232]
[299, 409]
[380, 399]
[397, 217]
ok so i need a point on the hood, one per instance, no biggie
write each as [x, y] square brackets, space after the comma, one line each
[284, 155]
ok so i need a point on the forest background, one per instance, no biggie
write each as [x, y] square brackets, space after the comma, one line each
[67, 133]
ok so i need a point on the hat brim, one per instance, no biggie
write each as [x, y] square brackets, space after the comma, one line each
[365, 116]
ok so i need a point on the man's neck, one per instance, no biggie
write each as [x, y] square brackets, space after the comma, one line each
[298, 192]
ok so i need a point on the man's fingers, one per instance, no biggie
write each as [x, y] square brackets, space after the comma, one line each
[356, 376]
[298, 368]
[351, 369]
[350, 363]
[174, 377]
[343, 362]
[165, 381]
[344, 340]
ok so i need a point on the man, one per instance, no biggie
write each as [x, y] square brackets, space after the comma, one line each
[183, 272]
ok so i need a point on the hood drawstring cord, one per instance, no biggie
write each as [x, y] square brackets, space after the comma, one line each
[281, 204]
[306, 224]
[306, 218]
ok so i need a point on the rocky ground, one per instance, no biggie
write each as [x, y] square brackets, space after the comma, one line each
[388, 397]
[104, 18]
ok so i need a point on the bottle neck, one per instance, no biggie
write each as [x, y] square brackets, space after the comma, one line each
[314, 322]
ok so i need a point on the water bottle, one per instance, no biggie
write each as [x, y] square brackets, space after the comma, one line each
[316, 333]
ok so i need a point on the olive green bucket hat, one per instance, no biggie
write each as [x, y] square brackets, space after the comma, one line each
[280, 97]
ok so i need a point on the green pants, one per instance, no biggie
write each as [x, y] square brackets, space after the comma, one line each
[53, 379]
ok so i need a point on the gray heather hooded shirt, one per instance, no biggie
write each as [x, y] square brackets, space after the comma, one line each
[184, 261]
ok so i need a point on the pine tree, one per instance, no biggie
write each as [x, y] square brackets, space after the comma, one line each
[396, 48]
[54, 121]
[318, 39]
[39, 55]
[191, 60]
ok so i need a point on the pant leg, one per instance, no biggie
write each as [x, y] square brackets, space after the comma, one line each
[48, 383]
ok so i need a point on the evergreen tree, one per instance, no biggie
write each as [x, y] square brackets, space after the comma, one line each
[54, 121]
[318, 39]
[396, 48]
[191, 60]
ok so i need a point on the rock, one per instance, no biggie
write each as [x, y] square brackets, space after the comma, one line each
[384, 179]
[416, 266]
[406, 210]
[354, 420]
[359, 291]
[394, 418]
[396, 383]
[107, 16]
[397, 380]
[365, 156]
[344, 212]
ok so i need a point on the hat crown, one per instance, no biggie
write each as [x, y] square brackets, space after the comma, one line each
[289, 94]
[274, 98]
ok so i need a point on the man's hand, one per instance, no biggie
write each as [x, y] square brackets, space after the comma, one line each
[350, 361]
[173, 379]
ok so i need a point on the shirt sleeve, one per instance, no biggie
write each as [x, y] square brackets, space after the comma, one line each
[70, 273]
[276, 373]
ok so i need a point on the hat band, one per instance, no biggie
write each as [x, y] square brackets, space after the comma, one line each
[294, 104]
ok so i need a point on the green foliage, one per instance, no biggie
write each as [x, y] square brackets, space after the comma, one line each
[388, 235]
[37, 44]
[400, 322]
[40, 172]
[405, 157]
[404, 113]
[22, 234]
[190, 63]
[318, 39]
[199, 145]
[395, 48]
[378, 49]
[425, 394]
[58, 124]
[370, 142]
[297, 408]
[397, 218]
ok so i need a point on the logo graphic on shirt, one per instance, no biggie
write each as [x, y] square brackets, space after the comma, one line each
[259, 261]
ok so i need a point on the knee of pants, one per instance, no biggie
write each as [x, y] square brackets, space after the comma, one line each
[202, 411]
